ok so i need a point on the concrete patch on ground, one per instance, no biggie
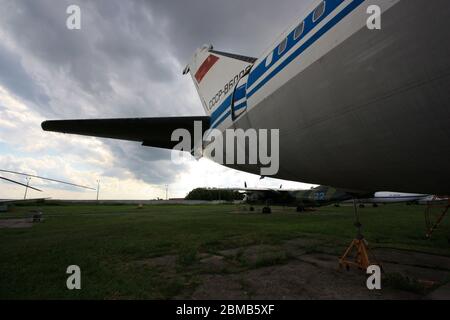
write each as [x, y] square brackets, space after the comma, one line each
[16, 223]
[303, 243]
[300, 246]
[413, 258]
[248, 252]
[442, 293]
[321, 260]
[294, 280]
[217, 264]
[167, 262]
[427, 276]
[256, 255]
[302, 280]
[231, 253]
[428, 270]
[214, 287]
[298, 269]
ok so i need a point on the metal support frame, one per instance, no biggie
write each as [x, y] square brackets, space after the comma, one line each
[361, 260]
[431, 227]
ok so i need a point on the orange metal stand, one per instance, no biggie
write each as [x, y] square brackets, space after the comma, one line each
[361, 259]
[436, 203]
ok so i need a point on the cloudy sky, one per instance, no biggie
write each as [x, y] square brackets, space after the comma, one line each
[126, 61]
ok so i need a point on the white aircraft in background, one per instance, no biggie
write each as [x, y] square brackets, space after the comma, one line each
[394, 197]
[357, 109]
[386, 197]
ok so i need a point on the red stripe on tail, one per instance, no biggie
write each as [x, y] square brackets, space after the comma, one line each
[205, 67]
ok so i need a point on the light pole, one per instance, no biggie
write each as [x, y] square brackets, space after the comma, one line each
[26, 188]
[98, 188]
[167, 192]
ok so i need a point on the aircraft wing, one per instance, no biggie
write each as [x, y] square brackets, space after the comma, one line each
[152, 132]
[19, 183]
[43, 178]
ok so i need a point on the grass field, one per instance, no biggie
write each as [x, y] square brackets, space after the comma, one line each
[112, 243]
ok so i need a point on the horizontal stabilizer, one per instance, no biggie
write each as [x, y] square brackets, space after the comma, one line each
[152, 132]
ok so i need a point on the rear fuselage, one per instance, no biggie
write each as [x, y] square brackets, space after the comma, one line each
[356, 108]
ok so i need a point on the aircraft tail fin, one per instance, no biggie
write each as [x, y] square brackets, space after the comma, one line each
[216, 74]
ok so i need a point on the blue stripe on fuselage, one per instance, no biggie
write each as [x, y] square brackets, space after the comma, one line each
[260, 70]
[227, 114]
[308, 43]
[221, 109]
[240, 106]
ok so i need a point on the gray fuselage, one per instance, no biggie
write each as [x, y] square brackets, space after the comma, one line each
[374, 112]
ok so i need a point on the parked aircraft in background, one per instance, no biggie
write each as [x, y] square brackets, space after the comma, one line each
[5, 203]
[320, 196]
[301, 199]
[393, 197]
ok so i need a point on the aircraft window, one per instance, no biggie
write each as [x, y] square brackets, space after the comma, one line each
[318, 11]
[282, 46]
[299, 30]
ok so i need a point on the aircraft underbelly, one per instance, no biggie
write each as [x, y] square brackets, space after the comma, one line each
[357, 117]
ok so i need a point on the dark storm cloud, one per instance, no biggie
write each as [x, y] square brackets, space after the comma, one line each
[242, 26]
[126, 60]
[115, 36]
[14, 77]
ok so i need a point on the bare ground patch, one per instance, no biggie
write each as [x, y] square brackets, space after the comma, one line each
[303, 268]
[294, 280]
[166, 262]
[298, 269]
[16, 223]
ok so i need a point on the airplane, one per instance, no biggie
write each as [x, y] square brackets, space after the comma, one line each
[320, 196]
[44, 178]
[6, 203]
[384, 197]
[358, 109]
[301, 199]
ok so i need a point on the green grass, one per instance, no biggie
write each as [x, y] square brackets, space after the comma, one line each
[107, 241]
